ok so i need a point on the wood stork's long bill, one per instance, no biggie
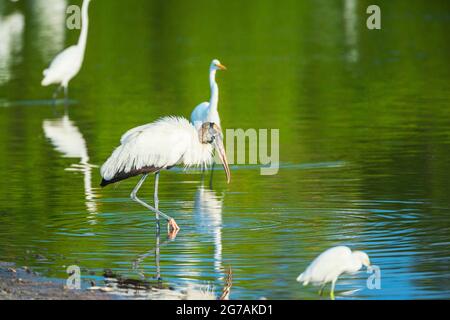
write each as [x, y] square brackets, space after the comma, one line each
[211, 133]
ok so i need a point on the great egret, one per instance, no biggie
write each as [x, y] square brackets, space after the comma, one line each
[67, 64]
[330, 264]
[207, 111]
[161, 145]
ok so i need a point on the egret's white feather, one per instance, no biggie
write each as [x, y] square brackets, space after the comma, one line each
[200, 114]
[326, 266]
[331, 263]
[63, 67]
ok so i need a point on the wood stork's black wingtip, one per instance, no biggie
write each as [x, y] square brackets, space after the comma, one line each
[104, 183]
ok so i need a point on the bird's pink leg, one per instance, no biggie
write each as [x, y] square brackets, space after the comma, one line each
[135, 198]
[172, 226]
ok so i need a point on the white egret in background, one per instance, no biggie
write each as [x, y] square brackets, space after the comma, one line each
[67, 64]
[161, 145]
[330, 264]
[68, 140]
[207, 111]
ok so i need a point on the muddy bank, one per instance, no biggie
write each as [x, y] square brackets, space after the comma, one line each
[24, 284]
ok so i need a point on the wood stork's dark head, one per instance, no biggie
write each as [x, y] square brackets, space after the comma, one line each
[210, 133]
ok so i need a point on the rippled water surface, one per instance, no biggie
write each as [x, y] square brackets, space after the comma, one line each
[364, 119]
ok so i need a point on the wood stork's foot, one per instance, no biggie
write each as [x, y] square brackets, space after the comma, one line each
[173, 225]
[173, 228]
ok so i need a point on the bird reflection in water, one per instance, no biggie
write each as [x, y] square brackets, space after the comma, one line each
[156, 251]
[67, 139]
[192, 292]
[208, 220]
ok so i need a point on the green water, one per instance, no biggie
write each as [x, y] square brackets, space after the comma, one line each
[364, 119]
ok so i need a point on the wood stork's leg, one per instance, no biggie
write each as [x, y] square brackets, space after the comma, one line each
[333, 284]
[155, 195]
[134, 197]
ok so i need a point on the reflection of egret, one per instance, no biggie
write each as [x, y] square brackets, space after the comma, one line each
[161, 145]
[208, 216]
[68, 140]
[351, 31]
[329, 265]
[66, 64]
[11, 30]
[48, 18]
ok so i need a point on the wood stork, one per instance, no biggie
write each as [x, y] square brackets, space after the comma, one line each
[330, 264]
[207, 111]
[67, 64]
[161, 145]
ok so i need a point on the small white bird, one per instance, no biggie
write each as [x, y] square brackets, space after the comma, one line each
[207, 111]
[67, 63]
[160, 145]
[330, 264]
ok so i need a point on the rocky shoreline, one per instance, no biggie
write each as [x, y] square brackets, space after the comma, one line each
[21, 283]
[24, 284]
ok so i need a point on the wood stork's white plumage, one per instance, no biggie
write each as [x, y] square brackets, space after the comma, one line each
[160, 145]
[330, 264]
[67, 63]
[207, 111]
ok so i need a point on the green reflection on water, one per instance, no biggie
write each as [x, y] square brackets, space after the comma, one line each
[374, 101]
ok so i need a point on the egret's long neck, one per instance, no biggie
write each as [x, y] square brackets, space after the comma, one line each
[214, 90]
[85, 25]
